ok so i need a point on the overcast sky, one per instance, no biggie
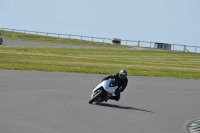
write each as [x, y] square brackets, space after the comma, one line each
[169, 21]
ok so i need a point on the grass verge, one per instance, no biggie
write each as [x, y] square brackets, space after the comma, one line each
[8, 35]
[98, 61]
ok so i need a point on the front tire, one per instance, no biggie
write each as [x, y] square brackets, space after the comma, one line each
[96, 97]
[1, 41]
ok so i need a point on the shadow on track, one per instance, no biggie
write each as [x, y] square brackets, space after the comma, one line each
[121, 107]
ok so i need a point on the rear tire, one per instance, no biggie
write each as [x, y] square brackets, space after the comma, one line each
[96, 97]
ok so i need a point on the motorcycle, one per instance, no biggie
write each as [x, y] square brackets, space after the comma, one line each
[103, 91]
[1, 40]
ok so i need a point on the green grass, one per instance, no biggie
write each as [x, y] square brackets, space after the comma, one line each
[8, 35]
[101, 61]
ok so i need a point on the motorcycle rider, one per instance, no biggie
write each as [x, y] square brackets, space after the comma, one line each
[122, 82]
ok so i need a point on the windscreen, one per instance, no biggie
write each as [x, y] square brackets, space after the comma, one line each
[112, 83]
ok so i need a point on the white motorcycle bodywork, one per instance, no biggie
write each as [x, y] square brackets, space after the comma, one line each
[109, 87]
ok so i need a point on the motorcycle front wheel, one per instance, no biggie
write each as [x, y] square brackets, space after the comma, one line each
[96, 97]
[1, 41]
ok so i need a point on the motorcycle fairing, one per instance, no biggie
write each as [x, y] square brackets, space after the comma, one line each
[108, 85]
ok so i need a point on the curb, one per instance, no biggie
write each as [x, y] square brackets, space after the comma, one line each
[192, 126]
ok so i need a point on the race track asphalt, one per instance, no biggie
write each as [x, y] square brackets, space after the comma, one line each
[38, 44]
[52, 102]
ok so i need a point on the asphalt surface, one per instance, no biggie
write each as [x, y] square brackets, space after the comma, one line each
[51, 102]
[38, 44]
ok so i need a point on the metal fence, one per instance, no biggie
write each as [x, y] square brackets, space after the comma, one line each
[140, 44]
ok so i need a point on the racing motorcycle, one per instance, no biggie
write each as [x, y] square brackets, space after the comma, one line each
[103, 91]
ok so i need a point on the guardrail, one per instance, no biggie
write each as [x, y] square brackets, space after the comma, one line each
[142, 44]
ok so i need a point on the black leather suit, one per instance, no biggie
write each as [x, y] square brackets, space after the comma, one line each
[122, 83]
